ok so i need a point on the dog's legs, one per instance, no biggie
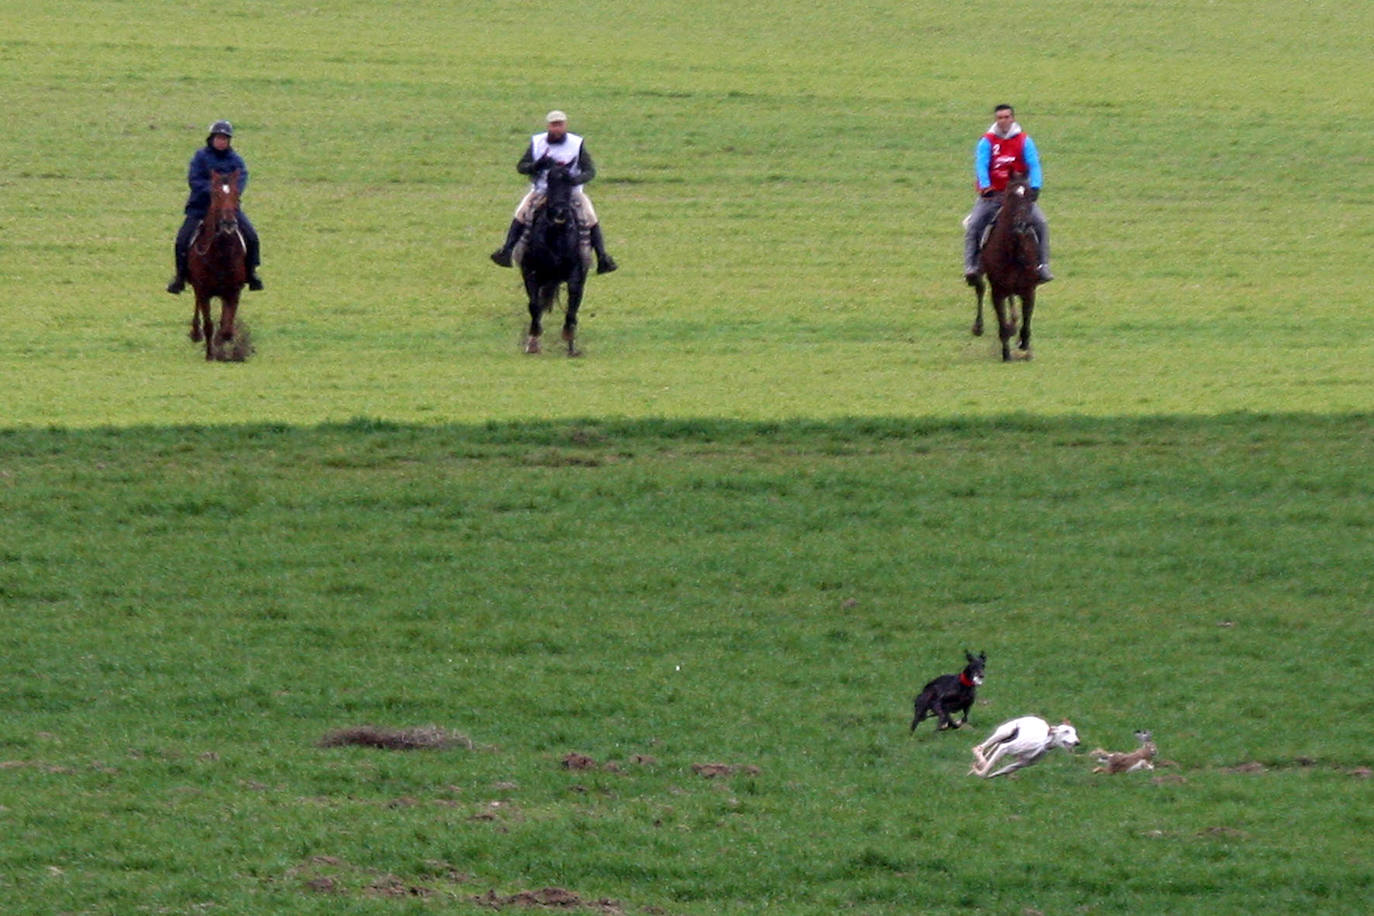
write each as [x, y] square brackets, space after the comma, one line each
[1023, 761]
[922, 710]
[986, 761]
[1009, 768]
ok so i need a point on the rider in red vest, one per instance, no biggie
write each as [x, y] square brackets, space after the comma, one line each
[1003, 153]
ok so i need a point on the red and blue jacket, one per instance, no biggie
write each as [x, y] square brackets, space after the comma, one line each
[996, 160]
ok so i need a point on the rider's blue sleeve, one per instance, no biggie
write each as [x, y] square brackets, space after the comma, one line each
[982, 158]
[243, 173]
[198, 176]
[1032, 157]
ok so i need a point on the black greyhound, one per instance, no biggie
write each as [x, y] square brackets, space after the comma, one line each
[951, 693]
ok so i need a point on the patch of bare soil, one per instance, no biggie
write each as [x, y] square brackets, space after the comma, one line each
[717, 770]
[1253, 766]
[332, 875]
[392, 886]
[426, 738]
[576, 761]
[549, 898]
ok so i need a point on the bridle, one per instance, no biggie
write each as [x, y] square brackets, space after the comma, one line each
[226, 224]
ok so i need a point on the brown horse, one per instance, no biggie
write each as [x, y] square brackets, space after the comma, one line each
[1010, 260]
[216, 263]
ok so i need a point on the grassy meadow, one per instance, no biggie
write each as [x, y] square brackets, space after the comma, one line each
[783, 488]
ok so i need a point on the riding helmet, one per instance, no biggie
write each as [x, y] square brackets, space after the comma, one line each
[220, 127]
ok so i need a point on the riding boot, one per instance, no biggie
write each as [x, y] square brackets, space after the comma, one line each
[252, 258]
[178, 282]
[971, 269]
[502, 255]
[604, 262]
[1042, 234]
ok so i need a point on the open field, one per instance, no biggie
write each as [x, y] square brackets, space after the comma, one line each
[783, 188]
[190, 611]
[783, 489]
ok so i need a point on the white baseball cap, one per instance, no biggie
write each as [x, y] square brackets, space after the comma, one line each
[556, 115]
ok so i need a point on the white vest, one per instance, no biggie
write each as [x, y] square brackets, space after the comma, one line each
[565, 153]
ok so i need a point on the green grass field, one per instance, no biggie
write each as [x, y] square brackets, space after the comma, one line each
[783, 488]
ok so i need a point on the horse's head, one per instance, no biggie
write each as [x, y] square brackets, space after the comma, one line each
[1017, 199]
[224, 201]
[558, 196]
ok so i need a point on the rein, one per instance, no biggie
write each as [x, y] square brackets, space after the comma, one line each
[221, 228]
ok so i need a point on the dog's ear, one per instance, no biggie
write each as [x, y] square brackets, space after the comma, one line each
[982, 656]
[968, 655]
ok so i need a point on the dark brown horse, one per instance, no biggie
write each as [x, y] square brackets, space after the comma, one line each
[553, 257]
[215, 263]
[1010, 260]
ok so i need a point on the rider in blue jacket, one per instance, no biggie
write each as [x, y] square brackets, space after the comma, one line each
[217, 155]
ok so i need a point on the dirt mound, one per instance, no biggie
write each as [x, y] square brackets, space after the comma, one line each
[427, 738]
[549, 898]
[716, 770]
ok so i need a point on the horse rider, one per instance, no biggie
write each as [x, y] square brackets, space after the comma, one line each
[556, 147]
[218, 155]
[1003, 153]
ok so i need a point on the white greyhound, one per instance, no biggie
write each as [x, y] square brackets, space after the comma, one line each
[1025, 740]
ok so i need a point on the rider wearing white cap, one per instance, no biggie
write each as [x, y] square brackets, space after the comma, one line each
[556, 147]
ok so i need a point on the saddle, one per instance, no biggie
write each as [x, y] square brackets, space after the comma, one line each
[987, 231]
[584, 236]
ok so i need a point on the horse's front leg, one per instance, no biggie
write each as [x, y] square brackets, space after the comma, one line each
[536, 315]
[1006, 326]
[198, 307]
[229, 309]
[978, 288]
[576, 285]
[1027, 307]
[207, 325]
